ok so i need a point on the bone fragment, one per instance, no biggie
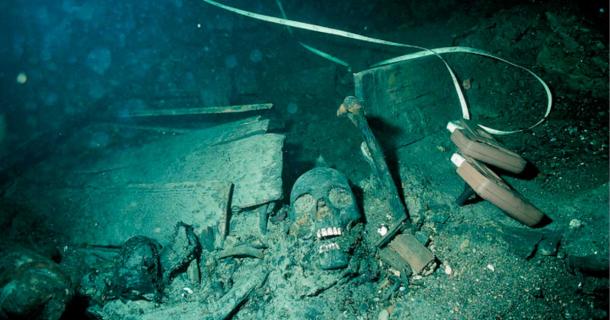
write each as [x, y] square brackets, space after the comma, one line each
[194, 272]
[225, 221]
[241, 251]
[222, 309]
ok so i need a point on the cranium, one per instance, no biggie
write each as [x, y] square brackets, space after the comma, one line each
[323, 210]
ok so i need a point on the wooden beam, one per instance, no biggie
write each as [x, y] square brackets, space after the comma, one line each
[420, 259]
[200, 111]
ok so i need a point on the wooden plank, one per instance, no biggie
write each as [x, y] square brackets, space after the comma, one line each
[111, 216]
[407, 101]
[200, 111]
[414, 253]
[224, 226]
[146, 189]
[238, 130]
[147, 128]
[394, 260]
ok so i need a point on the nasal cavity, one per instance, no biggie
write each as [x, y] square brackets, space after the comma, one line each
[321, 204]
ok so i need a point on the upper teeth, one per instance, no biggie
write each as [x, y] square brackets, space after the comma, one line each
[327, 232]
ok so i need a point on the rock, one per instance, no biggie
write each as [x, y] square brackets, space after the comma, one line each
[137, 271]
[183, 249]
[575, 224]
[32, 286]
[586, 247]
[383, 315]
[549, 245]
[447, 269]
[522, 242]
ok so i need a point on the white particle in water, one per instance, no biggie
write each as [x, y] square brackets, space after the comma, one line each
[22, 78]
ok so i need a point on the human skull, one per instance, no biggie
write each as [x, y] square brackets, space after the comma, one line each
[323, 210]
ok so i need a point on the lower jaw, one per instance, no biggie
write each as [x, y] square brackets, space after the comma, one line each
[333, 259]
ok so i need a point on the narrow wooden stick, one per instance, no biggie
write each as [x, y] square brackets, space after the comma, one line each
[419, 257]
[201, 111]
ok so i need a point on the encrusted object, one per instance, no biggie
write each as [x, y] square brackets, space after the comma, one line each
[137, 271]
[32, 286]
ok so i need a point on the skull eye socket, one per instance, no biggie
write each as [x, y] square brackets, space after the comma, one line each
[305, 204]
[340, 198]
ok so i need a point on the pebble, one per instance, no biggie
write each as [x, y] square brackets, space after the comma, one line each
[548, 247]
[464, 245]
[383, 315]
[22, 78]
[448, 270]
[575, 224]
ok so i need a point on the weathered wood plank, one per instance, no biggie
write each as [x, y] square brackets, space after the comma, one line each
[200, 111]
[149, 188]
[404, 103]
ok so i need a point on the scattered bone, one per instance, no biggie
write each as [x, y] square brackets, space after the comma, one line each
[223, 308]
[448, 270]
[194, 272]
[241, 251]
[382, 230]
